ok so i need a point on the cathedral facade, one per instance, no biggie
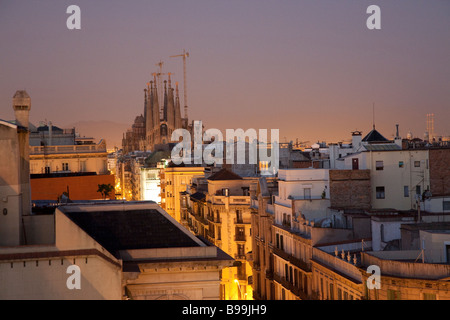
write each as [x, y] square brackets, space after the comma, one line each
[161, 121]
[152, 131]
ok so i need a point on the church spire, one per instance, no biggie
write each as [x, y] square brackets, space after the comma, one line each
[155, 102]
[177, 108]
[165, 101]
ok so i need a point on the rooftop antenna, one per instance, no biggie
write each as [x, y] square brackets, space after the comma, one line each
[373, 115]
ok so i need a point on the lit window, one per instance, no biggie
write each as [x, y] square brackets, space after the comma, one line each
[379, 165]
[401, 164]
[417, 164]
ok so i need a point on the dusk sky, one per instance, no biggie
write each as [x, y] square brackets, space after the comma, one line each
[310, 68]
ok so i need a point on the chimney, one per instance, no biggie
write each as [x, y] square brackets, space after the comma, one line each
[22, 106]
[356, 140]
[398, 139]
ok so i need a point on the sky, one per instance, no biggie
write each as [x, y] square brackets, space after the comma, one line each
[310, 68]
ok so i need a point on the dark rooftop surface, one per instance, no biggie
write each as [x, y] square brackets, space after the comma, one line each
[131, 229]
[224, 174]
[374, 136]
[200, 196]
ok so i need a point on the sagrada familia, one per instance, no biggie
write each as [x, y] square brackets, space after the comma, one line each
[152, 130]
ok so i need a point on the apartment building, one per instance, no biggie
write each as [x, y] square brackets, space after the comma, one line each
[219, 210]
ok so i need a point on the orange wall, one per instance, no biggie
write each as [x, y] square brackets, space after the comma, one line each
[80, 187]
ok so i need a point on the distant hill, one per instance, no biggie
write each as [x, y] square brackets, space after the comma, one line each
[110, 131]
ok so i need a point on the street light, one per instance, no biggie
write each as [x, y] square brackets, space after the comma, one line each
[239, 287]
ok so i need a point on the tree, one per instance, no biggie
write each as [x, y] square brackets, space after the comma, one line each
[105, 190]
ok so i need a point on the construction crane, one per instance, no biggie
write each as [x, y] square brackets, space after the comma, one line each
[184, 55]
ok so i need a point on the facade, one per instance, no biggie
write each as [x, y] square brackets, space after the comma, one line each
[160, 125]
[335, 270]
[176, 179]
[15, 172]
[62, 162]
[405, 277]
[263, 239]
[220, 212]
[54, 150]
[134, 138]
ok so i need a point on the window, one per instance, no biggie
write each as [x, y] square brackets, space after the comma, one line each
[418, 190]
[339, 294]
[240, 234]
[47, 170]
[401, 164]
[417, 164]
[393, 294]
[307, 193]
[379, 192]
[355, 163]
[321, 289]
[406, 191]
[429, 296]
[379, 165]
[445, 205]
[382, 233]
[286, 272]
[239, 216]
[331, 292]
[65, 166]
[241, 274]
[240, 250]
[291, 280]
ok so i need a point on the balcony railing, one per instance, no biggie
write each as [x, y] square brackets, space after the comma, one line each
[37, 150]
[256, 265]
[240, 256]
[290, 286]
[269, 274]
[240, 237]
[295, 261]
[242, 221]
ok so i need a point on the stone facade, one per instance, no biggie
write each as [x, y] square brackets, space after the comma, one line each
[350, 189]
[439, 172]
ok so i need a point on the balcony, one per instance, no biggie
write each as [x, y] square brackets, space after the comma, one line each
[286, 223]
[242, 221]
[240, 256]
[290, 286]
[64, 149]
[240, 237]
[293, 260]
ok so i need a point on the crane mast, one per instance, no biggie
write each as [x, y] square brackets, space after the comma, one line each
[184, 55]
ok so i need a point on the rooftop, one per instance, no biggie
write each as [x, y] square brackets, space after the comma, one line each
[224, 174]
[130, 227]
[374, 136]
